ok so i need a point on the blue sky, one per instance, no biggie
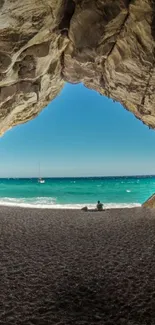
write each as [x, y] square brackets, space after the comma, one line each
[79, 134]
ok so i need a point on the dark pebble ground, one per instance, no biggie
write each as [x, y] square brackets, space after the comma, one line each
[77, 268]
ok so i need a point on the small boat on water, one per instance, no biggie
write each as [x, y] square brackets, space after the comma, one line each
[40, 180]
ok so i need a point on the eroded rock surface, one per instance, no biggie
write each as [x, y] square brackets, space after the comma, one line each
[150, 203]
[31, 48]
[108, 45]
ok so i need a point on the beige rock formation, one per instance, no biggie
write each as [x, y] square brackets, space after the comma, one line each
[108, 45]
[150, 203]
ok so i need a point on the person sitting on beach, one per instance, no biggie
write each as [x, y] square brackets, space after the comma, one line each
[99, 206]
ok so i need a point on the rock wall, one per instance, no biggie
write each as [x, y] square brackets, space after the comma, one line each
[31, 48]
[108, 45]
[150, 203]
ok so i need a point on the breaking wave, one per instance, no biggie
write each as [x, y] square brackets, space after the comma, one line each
[50, 203]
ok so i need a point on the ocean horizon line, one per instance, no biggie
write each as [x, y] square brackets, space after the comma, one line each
[81, 177]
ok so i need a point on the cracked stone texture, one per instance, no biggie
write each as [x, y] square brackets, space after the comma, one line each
[108, 45]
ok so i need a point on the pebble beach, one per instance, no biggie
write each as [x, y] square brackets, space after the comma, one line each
[70, 267]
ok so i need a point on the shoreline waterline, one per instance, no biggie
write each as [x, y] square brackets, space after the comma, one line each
[7, 202]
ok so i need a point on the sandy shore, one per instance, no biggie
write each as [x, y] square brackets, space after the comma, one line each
[77, 268]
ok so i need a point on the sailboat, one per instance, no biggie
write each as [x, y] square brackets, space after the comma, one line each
[40, 180]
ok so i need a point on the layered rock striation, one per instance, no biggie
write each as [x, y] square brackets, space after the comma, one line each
[107, 45]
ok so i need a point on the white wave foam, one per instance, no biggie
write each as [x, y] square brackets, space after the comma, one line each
[128, 191]
[50, 203]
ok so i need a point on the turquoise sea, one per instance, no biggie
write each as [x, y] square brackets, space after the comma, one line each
[77, 192]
